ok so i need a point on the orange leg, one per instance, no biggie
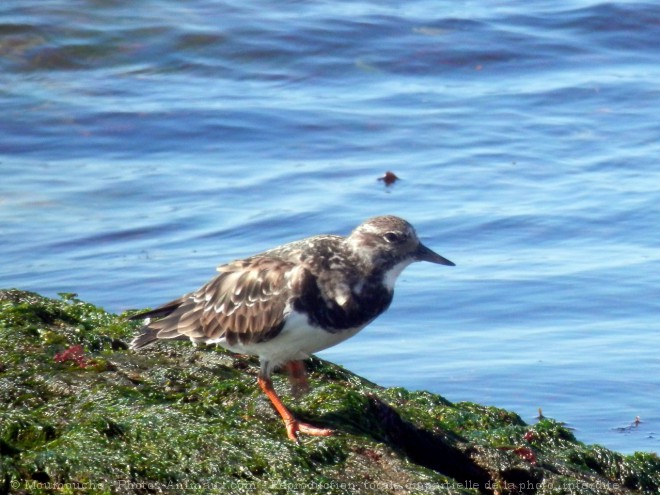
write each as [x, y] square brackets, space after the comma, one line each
[298, 378]
[293, 426]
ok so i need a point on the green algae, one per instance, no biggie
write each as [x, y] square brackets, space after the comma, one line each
[175, 419]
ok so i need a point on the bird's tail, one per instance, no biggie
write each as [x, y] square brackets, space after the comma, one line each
[150, 334]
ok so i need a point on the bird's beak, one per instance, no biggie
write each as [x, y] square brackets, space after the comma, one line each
[425, 254]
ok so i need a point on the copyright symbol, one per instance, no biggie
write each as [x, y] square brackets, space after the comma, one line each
[15, 484]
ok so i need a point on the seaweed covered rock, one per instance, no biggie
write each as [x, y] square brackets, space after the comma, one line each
[79, 413]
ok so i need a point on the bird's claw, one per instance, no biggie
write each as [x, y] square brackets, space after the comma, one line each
[295, 428]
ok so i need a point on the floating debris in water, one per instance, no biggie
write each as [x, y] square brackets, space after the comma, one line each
[625, 429]
[389, 178]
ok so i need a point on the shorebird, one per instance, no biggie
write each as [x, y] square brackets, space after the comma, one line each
[294, 300]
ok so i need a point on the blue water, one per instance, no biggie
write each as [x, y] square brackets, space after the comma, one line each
[142, 144]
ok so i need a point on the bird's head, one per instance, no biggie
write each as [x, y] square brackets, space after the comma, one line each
[388, 244]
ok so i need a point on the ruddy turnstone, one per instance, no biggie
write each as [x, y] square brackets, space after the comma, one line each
[291, 301]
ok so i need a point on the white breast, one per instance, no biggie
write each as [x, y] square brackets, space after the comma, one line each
[393, 273]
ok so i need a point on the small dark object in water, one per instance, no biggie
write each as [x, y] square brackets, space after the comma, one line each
[389, 178]
[624, 429]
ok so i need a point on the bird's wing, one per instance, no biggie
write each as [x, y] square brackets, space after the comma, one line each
[246, 303]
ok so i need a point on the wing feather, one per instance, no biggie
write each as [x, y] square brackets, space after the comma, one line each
[245, 303]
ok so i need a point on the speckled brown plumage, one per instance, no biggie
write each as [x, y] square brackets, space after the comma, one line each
[295, 299]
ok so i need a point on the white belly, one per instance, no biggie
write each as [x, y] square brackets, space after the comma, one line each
[297, 340]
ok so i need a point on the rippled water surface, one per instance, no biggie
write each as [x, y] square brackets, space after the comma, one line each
[142, 144]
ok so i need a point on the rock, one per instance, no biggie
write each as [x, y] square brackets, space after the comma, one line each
[173, 418]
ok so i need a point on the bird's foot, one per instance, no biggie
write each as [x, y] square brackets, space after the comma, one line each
[295, 427]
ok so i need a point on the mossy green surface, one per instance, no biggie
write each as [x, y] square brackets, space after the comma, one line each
[177, 419]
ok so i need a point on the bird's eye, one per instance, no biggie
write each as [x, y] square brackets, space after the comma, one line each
[392, 237]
